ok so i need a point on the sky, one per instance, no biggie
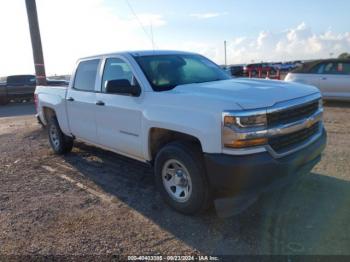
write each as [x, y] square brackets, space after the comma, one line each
[255, 30]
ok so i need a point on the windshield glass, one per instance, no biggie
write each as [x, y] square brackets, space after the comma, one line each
[165, 72]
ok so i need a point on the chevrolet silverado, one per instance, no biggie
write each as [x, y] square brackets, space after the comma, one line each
[208, 136]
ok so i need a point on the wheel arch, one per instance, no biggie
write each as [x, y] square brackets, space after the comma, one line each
[159, 137]
[48, 112]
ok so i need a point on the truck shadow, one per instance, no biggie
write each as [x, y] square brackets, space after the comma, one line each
[310, 217]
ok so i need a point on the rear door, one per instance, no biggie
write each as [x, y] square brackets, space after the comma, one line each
[335, 80]
[119, 116]
[81, 101]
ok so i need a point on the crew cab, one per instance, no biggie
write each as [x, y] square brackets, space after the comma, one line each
[208, 136]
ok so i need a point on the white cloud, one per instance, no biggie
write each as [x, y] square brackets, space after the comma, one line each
[89, 27]
[156, 20]
[299, 42]
[198, 47]
[69, 30]
[207, 15]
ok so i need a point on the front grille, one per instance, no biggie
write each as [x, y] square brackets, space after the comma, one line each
[292, 114]
[286, 142]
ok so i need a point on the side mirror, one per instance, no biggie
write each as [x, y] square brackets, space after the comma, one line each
[122, 87]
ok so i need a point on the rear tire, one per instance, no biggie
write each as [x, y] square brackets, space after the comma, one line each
[60, 143]
[181, 178]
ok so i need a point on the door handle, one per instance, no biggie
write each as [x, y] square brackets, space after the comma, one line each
[100, 103]
[70, 99]
[324, 78]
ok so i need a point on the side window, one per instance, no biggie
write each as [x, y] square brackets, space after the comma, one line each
[317, 69]
[347, 68]
[330, 68]
[116, 69]
[85, 76]
[343, 68]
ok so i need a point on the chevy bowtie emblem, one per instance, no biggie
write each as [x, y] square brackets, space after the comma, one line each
[309, 123]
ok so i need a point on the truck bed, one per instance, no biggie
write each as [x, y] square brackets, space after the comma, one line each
[52, 97]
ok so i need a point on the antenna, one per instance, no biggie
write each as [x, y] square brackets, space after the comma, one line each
[225, 50]
[152, 36]
[140, 23]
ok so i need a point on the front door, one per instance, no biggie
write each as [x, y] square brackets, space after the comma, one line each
[119, 117]
[335, 80]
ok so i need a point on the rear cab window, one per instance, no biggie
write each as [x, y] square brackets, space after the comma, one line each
[85, 76]
[21, 80]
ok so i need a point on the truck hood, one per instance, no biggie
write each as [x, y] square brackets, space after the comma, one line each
[249, 93]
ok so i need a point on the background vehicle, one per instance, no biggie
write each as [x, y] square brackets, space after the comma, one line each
[207, 135]
[22, 87]
[331, 76]
[284, 66]
[17, 86]
[254, 69]
[236, 70]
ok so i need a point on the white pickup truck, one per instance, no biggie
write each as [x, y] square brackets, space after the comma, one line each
[208, 136]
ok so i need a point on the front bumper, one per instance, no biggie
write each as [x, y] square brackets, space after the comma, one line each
[246, 177]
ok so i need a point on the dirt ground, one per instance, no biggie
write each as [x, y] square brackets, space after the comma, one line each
[96, 202]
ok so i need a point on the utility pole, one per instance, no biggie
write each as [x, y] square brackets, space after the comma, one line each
[36, 42]
[225, 53]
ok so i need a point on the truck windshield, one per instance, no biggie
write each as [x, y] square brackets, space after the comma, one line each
[165, 72]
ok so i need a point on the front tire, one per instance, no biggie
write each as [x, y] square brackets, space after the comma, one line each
[181, 179]
[60, 143]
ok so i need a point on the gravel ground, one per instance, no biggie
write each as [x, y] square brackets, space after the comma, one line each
[96, 202]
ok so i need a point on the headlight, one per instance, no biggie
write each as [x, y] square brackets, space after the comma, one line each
[234, 125]
[245, 121]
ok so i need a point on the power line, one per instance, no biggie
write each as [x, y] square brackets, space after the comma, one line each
[141, 25]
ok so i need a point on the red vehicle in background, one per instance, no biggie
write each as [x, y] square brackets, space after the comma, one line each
[255, 68]
[261, 70]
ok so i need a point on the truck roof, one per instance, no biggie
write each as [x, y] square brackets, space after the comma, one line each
[20, 76]
[141, 53]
